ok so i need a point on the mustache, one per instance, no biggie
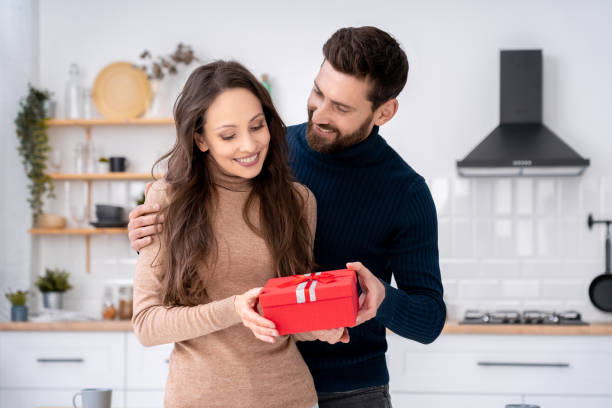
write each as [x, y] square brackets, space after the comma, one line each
[324, 127]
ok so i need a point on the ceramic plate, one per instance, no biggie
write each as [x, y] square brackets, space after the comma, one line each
[121, 91]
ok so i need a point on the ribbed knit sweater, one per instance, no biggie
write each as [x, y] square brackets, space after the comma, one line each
[375, 209]
[217, 361]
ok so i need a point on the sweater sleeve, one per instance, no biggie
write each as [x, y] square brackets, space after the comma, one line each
[416, 309]
[155, 323]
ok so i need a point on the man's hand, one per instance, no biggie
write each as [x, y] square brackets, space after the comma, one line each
[333, 336]
[142, 224]
[373, 292]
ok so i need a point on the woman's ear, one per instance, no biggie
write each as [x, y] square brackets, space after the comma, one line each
[200, 142]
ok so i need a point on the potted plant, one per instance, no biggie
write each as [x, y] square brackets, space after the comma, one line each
[53, 284]
[33, 147]
[19, 311]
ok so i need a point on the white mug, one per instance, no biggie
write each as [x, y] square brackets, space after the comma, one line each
[94, 398]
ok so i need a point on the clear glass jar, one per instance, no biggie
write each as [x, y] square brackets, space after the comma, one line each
[88, 109]
[109, 312]
[74, 94]
[125, 302]
[80, 154]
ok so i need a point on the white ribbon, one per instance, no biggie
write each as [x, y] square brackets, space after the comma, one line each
[300, 294]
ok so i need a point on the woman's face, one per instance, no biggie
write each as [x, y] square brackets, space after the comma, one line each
[236, 133]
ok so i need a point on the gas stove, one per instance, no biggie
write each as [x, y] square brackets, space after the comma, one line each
[570, 317]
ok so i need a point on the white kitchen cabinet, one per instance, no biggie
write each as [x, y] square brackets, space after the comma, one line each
[466, 367]
[569, 401]
[400, 400]
[49, 398]
[146, 367]
[144, 399]
[62, 360]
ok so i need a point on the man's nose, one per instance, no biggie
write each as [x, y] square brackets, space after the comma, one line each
[321, 114]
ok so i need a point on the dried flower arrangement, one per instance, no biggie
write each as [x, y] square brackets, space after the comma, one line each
[157, 68]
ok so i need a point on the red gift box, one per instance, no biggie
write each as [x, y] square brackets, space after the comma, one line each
[314, 301]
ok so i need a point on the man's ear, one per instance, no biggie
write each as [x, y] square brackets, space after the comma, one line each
[200, 142]
[385, 112]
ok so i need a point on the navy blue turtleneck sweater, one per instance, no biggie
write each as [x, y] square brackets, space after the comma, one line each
[372, 208]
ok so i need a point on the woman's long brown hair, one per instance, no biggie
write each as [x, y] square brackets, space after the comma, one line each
[187, 238]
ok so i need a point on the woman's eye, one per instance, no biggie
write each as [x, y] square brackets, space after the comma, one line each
[227, 137]
[255, 128]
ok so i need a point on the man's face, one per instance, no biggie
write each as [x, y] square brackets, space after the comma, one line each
[339, 112]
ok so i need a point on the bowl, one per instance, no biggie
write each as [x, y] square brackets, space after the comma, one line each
[51, 221]
[109, 212]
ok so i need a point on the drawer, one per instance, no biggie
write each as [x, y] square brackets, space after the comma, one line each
[147, 367]
[569, 401]
[454, 401]
[144, 399]
[502, 364]
[62, 360]
[49, 398]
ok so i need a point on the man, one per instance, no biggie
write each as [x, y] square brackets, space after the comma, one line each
[372, 207]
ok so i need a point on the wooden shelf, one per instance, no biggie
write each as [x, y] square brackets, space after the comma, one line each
[78, 231]
[109, 122]
[103, 176]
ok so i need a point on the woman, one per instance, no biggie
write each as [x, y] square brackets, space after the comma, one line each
[232, 219]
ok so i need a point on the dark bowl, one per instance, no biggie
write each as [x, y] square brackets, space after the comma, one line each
[109, 212]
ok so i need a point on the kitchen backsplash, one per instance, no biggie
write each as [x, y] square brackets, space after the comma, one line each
[507, 243]
[521, 243]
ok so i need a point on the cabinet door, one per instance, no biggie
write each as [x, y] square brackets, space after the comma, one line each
[570, 401]
[144, 399]
[502, 365]
[49, 398]
[69, 360]
[403, 400]
[147, 367]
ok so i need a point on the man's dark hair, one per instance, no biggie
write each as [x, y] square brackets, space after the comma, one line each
[368, 52]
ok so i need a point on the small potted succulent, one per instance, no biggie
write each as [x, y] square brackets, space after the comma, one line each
[19, 310]
[53, 284]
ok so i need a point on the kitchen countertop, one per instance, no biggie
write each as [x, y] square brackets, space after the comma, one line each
[452, 327]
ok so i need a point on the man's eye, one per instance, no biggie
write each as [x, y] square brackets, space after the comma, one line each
[317, 91]
[341, 109]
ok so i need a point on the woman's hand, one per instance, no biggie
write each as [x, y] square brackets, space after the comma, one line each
[333, 336]
[262, 328]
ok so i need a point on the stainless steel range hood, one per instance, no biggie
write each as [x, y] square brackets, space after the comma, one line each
[521, 145]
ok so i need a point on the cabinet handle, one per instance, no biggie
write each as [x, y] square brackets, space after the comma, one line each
[515, 364]
[60, 360]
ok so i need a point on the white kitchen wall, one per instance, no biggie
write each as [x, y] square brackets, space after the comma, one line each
[18, 65]
[505, 243]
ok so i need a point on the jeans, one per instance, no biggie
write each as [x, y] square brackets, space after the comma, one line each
[369, 397]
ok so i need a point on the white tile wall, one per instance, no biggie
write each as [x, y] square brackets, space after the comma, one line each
[521, 242]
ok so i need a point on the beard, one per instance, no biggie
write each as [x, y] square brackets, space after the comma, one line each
[340, 141]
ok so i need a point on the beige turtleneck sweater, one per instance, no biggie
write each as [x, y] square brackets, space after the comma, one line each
[217, 361]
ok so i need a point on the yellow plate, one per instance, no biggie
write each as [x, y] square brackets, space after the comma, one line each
[121, 91]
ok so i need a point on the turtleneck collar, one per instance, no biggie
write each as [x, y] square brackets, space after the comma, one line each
[362, 154]
[228, 181]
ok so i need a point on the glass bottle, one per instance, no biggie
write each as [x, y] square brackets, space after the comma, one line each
[74, 93]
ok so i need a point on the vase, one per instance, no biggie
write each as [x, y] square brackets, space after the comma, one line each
[52, 300]
[154, 109]
[19, 313]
